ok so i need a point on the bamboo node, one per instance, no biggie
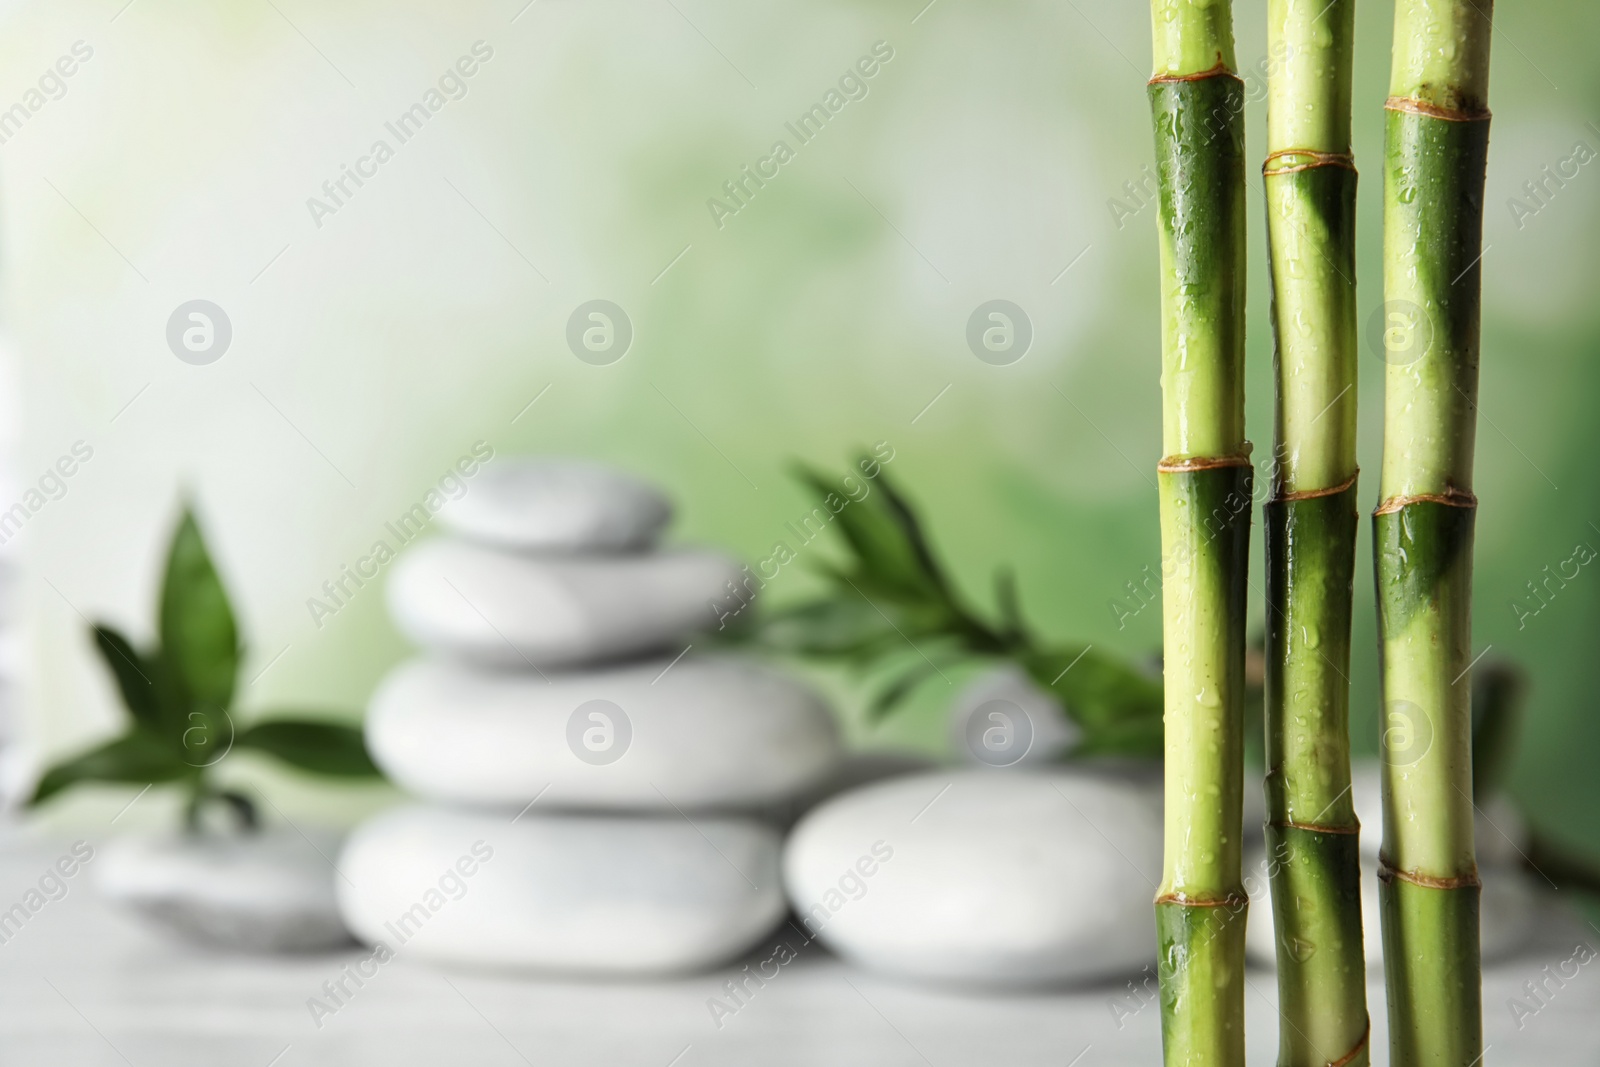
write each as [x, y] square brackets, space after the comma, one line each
[1387, 873]
[1361, 1047]
[1298, 159]
[1453, 497]
[1182, 464]
[1231, 901]
[1313, 494]
[1434, 111]
[1221, 70]
[1288, 824]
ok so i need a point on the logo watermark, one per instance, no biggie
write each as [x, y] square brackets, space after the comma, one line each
[599, 332]
[599, 732]
[1551, 585]
[451, 885]
[51, 86]
[1539, 192]
[52, 485]
[1407, 733]
[52, 886]
[805, 529]
[337, 192]
[1400, 332]
[740, 190]
[199, 332]
[999, 332]
[999, 732]
[339, 590]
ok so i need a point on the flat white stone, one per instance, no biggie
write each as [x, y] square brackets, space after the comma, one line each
[559, 505]
[175, 1004]
[582, 894]
[972, 878]
[525, 612]
[1003, 719]
[270, 891]
[712, 732]
[1507, 910]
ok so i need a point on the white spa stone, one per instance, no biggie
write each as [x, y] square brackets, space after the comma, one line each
[713, 732]
[530, 613]
[269, 891]
[1003, 719]
[559, 505]
[967, 877]
[579, 894]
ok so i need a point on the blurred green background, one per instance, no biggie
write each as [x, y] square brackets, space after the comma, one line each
[987, 160]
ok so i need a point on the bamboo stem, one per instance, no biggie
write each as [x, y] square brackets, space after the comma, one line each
[1311, 521]
[1436, 147]
[1197, 104]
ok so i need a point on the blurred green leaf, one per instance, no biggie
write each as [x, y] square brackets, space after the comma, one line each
[1009, 602]
[136, 756]
[836, 626]
[199, 638]
[319, 747]
[1118, 706]
[898, 690]
[882, 538]
[890, 596]
[135, 676]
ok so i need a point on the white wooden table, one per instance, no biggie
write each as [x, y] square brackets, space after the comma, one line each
[83, 985]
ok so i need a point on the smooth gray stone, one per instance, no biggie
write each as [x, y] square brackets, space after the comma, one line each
[534, 613]
[270, 891]
[971, 878]
[577, 894]
[559, 505]
[702, 732]
[1003, 719]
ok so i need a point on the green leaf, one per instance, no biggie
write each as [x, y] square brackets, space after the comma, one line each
[883, 538]
[320, 747]
[1118, 706]
[1009, 602]
[135, 675]
[895, 693]
[199, 639]
[136, 756]
[833, 626]
[901, 513]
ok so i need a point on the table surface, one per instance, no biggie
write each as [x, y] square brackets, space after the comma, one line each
[85, 985]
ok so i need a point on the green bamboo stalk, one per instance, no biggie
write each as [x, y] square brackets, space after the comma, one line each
[1311, 521]
[1436, 148]
[1197, 103]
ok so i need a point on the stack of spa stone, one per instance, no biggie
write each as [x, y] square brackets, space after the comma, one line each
[594, 781]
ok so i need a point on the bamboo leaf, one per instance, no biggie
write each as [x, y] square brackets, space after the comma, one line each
[896, 692]
[1009, 602]
[136, 676]
[320, 747]
[900, 511]
[1118, 706]
[199, 638]
[877, 538]
[136, 756]
[834, 626]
